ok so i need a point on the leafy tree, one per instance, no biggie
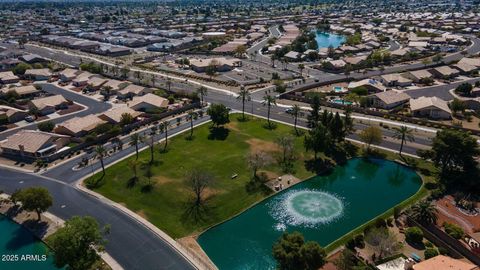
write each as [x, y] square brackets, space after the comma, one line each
[453, 230]
[126, 119]
[437, 58]
[430, 253]
[453, 151]
[424, 212]
[36, 199]
[269, 101]
[135, 140]
[244, 96]
[414, 235]
[457, 105]
[348, 121]
[301, 67]
[46, 126]
[317, 140]
[464, 89]
[403, 134]
[218, 114]
[314, 116]
[292, 252]
[20, 68]
[76, 243]
[336, 128]
[346, 260]
[198, 181]
[371, 135]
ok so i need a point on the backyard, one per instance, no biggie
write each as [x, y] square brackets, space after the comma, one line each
[222, 155]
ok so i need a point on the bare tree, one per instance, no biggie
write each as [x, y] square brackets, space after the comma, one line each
[286, 143]
[198, 181]
[383, 241]
[257, 160]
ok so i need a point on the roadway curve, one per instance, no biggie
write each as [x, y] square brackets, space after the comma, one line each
[130, 243]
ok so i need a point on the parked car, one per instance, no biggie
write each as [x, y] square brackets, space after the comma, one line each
[29, 118]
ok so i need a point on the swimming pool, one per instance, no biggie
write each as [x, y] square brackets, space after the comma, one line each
[325, 40]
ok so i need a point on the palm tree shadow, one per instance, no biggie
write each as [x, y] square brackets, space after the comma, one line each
[132, 182]
[218, 133]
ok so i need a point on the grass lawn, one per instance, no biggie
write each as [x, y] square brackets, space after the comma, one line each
[165, 206]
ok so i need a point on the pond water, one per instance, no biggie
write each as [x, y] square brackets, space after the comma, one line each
[322, 208]
[325, 40]
[16, 243]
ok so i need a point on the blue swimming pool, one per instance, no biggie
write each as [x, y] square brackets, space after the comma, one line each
[325, 40]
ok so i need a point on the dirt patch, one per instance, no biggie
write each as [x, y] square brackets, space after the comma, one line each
[190, 243]
[270, 175]
[257, 145]
[232, 126]
[162, 180]
[142, 214]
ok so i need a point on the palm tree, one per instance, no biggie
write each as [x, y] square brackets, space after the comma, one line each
[301, 67]
[152, 79]
[100, 153]
[424, 212]
[135, 139]
[191, 117]
[133, 164]
[202, 92]
[164, 128]
[243, 95]
[169, 84]
[295, 112]
[403, 133]
[269, 101]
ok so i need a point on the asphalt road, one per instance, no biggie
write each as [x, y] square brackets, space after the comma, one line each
[92, 107]
[130, 243]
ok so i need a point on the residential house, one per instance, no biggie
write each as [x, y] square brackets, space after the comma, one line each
[418, 75]
[114, 116]
[394, 80]
[389, 99]
[68, 74]
[30, 144]
[221, 64]
[370, 84]
[38, 74]
[82, 79]
[48, 105]
[8, 77]
[133, 90]
[24, 91]
[11, 114]
[148, 102]
[431, 107]
[444, 72]
[79, 126]
[32, 59]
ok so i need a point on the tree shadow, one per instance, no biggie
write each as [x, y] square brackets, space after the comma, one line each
[132, 182]
[218, 133]
[189, 138]
[13, 211]
[19, 238]
[194, 213]
[39, 228]
[147, 188]
[319, 166]
[271, 126]
[299, 132]
[243, 119]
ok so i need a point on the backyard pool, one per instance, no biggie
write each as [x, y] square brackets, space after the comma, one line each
[325, 40]
[16, 242]
[341, 101]
[323, 209]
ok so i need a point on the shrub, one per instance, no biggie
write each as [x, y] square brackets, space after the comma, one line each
[414, 235]
[430, 253]
[46, 126]
[380, 223]
[442, 251]
[397, 211]
[359, 241]
[453, 230]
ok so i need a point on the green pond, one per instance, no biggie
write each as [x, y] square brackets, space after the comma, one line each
[323, 209]
[20, 250]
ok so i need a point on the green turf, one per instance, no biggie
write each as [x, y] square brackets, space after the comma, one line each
[165, 206]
